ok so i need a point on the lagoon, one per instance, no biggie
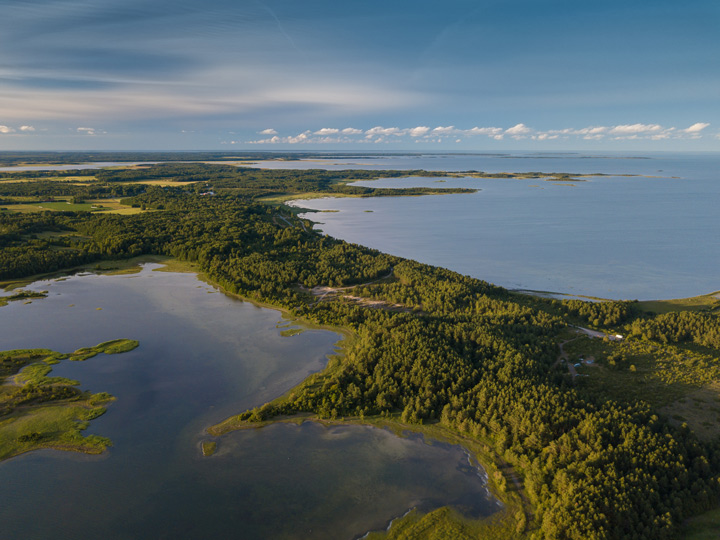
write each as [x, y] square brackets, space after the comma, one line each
[202, 357]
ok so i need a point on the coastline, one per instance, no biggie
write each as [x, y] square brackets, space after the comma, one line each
[433, 430]
[514, 499]
[502, 481]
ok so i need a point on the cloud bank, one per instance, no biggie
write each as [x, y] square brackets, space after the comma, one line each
[520, 131]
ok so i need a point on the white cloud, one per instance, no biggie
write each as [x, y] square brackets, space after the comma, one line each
[6, 129]
[305, 137]
[489, 131]
[271, 140]
[418, 131]
[382, 131]
[596, 130]
[518, 130]
[653, 132]
[449, 131]
[86, 130]
[440, 134]
[268, 131]
[301, 137]
[27, 128]
[631, 129]
[696, 128]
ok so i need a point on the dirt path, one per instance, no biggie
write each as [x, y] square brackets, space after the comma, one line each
[563, 356]
[290, 224]
[600, 335]
[321, 292]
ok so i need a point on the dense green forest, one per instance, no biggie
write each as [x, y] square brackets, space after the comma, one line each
[241, 182]
[456, 351]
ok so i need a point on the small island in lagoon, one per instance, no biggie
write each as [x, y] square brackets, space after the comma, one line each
[38, 411]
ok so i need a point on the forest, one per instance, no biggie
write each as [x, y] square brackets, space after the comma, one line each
[462, 353]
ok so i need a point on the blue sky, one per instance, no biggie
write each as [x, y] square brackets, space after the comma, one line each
[360, 76]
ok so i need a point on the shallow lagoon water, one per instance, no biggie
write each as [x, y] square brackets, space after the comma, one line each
[202, 357]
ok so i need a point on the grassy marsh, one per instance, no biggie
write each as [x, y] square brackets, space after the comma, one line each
[703, 527]
[704, 302]
[21, 295]
[38, 411]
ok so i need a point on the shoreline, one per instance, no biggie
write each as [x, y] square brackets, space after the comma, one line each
[478, 449]
[497, 472]
[125, 266]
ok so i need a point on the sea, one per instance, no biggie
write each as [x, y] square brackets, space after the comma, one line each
[626, 226]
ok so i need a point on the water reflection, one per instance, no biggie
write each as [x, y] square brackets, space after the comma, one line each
[202, 357]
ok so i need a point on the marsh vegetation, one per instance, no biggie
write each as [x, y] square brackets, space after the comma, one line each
[39, 411]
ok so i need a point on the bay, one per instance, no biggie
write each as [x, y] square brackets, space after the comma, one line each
[652, 235]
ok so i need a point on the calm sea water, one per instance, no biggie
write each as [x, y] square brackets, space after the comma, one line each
[202, 357]
[649, 236]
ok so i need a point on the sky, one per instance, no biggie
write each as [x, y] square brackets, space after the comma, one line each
[391, 75]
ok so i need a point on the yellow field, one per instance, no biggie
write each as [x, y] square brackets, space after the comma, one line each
[107, 206]
[161, 183]
[75, 180]
[113, 206]
[700, 410]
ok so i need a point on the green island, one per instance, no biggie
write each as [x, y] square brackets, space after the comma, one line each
[38, 411]
[25, 296]
[594, 420]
